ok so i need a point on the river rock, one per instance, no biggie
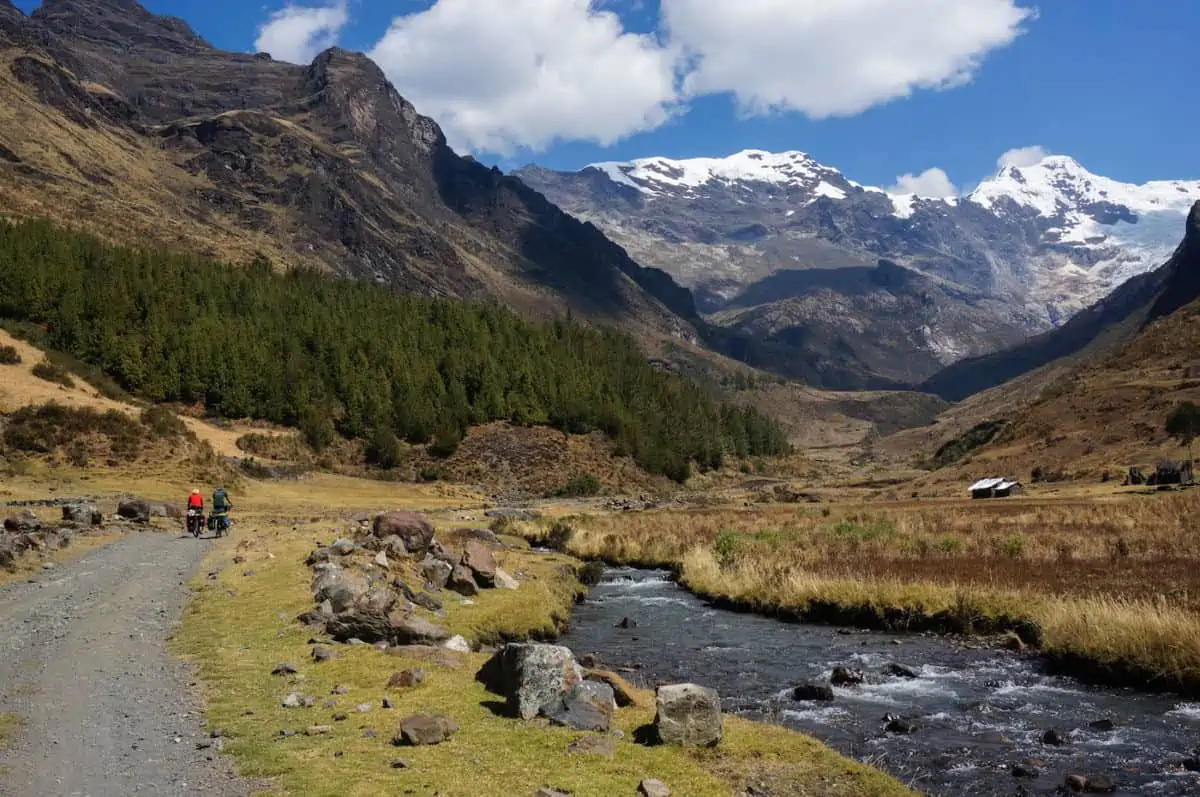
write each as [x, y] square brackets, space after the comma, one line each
[653, 788]
[900, 726]
[1192, 764]
[530, 675]
[135, 509]
[1099, 784]
[845, 676]
[478, 558]
[626, 623]
[813, 692]
[1054, 737]
[1025, 771]
[1103, 726]
[586, 706]
[84, 513]
[900, 671]
[425, 729]
[462, 581]
[413, 530]
[435, 572]
[688, 715]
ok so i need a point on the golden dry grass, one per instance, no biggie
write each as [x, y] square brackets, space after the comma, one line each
[239, 627]
[1116, 582]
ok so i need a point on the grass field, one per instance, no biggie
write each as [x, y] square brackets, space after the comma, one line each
[1116, 581]
[240, 626]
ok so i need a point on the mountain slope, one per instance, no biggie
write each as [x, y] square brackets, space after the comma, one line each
[1093, 332]
[1025, 251]
[131, 125]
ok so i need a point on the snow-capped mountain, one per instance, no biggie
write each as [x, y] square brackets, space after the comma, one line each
[1035, 243]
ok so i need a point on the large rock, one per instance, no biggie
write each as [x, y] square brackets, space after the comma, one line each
[505, 581]
[531, 675]
[813, 692]
[435, 572]
[84, 513]
[135, 509]
[425, 729]
[586, 706]
[380, 599]
[23, 522]
[413, 530]
[374, 626]
[478, 558]
[462, 581]
[413, 630]
[689, 715]
[342, 587]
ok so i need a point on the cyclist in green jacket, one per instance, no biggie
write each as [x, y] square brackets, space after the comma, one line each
[220, 510]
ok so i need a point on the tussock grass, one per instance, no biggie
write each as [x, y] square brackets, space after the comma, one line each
[10, 726]
[239, 627]
[1112, 584]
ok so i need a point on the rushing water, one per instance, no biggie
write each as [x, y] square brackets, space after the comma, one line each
[978, 712]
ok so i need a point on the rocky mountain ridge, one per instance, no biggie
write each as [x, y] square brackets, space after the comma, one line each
[1021, 254]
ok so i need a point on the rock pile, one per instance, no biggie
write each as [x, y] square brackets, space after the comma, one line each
[25, 534]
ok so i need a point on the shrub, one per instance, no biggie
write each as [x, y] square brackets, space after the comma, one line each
[560, 535]
[949, 545]
[383, 450]
[1013, 547]
[445, 443]
[430, 473]
[41, 429]
[580, 487]
[53, 373]
[9, 356]
[317, 429]
[590, 573]
[164, 423]
[725, 547]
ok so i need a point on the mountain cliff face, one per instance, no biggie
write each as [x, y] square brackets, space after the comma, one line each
[1019, 255]
[1096, 331]
[132, 125]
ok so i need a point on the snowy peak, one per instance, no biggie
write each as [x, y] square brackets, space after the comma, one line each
[665, 175]
[1058, 185]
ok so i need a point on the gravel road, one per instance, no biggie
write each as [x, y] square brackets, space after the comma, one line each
[105, 709]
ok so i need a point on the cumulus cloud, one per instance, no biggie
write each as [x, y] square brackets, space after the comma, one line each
[297, 33]
[834, 58]
[1021, 157]
[499, 75]
[934, 183]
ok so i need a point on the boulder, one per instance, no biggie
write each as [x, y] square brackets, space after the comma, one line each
[1054, 737]
[458, 643]
[83, 513]
[900, 671]
[623, 692]
[530, 675]
[425, 729]
[504, 581]
[1103, 726]
[462, 581]
[900, 726]
[1099, 784]
[486, 536]
[362, 623]
[413, 530]
[425, 601]
[23, 522]
[586, 706]
[167, 510]
[135, 509]
[478, 558]
[845, 676]
[343, 547]
[412, 630]
[342, 587]
[813, 692]
[689, 715]
[653, 788]
[435, 572]
[1075, 783]
[1025, 771]
[379, 599]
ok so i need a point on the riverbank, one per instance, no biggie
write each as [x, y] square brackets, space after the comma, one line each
[241, 625]
[1105, 590]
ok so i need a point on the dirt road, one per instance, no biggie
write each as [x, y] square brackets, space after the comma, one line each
[105, 710]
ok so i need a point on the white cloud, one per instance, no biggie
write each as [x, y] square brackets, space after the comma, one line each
[934, 183]
[828, 58]
[1021, 157]
[499, 75]
[297, 33]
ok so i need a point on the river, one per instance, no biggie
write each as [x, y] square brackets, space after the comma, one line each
[978, 712]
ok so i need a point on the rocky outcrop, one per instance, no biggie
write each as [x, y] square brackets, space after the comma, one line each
[688, 715]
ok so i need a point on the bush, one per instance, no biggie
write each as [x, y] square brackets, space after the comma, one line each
[41, 429]
[726, 546]
[164, 423]
[590, 573]
[317, 429]
[560, 536]
[383, 450]
[445, 443]
[430, 473]
[580, 487]
[1013, 547]
[9, 356]
[53, 373]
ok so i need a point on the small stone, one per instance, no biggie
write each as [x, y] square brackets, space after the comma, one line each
[406, 679]
[309, 702]
[321, 654]
[1099, 784]
[219, 733]
[340, 690]
[318, 730]
[458, 643]
[370, 733]
[363, 708]
[285, 733]
[898, 725]
[551, 793]
[387, 703]
[1075, 783]
[329, 704]
[1025, 771]
[813, 692]
[399, 763]
[653, 788]
[626, 622]
[341, 717]
[505, 581]
[292, 701]
[844, 676]
[425, 729]
[381, 560]
[1192, 764]
[1054, 737]
[900, 671]
[1104, 725]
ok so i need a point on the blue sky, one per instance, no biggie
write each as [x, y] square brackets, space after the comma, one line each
[1110, 82]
